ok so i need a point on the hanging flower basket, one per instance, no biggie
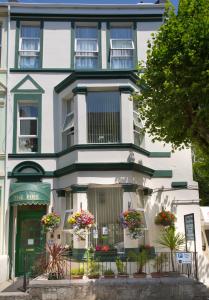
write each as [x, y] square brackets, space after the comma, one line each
[50, 221]
[81, 221]
[165, 218]
[132, 220]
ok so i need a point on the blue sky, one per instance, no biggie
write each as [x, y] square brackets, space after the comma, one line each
[175, 2]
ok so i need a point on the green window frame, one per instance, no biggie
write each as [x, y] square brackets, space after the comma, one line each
[133, 25]
[73, 42]
[17, 43]
[25, 98]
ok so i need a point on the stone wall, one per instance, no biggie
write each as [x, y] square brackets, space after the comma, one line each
[119, 289]
[114, 289]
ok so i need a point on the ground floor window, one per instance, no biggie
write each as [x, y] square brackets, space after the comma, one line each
[106, 204]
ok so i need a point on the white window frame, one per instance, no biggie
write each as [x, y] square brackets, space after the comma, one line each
[68, 130]
[89, 54]
[119, 48]
[137, 128]
[19, 135]
[30, 53]
[67, 211]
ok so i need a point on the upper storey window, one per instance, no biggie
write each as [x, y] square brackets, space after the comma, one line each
[103, 117]
[29, 47]
[68, 126]
[86, 47]
[0, 44]
[121, 48]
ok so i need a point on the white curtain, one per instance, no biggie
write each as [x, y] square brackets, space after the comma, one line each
[121, 33]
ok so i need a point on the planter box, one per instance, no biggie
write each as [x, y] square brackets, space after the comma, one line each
[109, 276]
[76, 276]
[140, 275]
[93, 276]
[159, 274]
[122, 276]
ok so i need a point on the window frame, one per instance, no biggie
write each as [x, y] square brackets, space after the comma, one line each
[27, 98]
[19, 119]
[111, 48]
[69, 130]
[18, 43]
[95, 54]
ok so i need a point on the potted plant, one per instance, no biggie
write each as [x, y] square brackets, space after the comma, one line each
[50, 221]
[55, 266]
[160, 261]
[165, 218]
[141, 259]
[132, 220]
[109, 273]
[121, 268]
[81, 221]
[77, 273]
[93, 268]
[172, 240]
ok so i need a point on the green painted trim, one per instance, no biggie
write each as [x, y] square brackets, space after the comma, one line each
[135, 60]
[17, 38]
[60, 193]
[147, 191]
[99, 66]
[24, 97]
[11, 214]
[129, 187]
[126, 89]
[76, 188]
[92, 147]
[79, 90]
[103, 167]
[163, 174]
[104, 74]
[81, 17]
[44, 70]
[160, 154]
[41, 44]
[179, 184]
[78, 254]
[108, 44]
[72, 45]
[38, 90]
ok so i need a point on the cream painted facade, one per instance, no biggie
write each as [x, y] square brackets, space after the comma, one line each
[149, 176]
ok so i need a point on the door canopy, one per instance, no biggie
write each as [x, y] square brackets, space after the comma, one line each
[30, 193]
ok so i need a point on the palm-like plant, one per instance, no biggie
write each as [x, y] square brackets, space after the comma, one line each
[172, 240]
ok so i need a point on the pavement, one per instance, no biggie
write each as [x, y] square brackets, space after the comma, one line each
[12, 285]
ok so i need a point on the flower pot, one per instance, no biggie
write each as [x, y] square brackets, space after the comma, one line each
[55, 276]
[159, 274]
[94, 276]
[109, 276]
[122, 275]
[76, 276]
[140, 275]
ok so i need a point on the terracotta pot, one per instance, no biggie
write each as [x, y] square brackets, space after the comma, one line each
[76, 276]
[140, 275]
[159, 274]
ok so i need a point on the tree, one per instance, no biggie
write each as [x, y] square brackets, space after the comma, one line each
[174, 98]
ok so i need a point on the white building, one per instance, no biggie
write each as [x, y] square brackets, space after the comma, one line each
[74, 135]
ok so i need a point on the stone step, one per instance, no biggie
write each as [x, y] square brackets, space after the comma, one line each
[14, 296]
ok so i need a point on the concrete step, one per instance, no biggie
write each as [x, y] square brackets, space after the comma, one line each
[14, 296]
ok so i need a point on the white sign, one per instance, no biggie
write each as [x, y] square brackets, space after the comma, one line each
[104, 230]
[30, 241]
[95, 234]
[184, 258]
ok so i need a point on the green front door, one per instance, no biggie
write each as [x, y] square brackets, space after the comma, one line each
[30, 240]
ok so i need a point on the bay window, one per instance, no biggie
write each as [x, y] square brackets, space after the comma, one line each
[103, 117]
[121, 48]
[29, 46]
[106, 205]
[68, 126]
[138, 128]
[27, 127]
[86, 47]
